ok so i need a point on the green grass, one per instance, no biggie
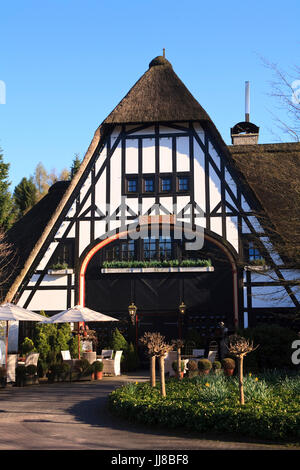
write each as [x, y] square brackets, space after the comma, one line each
[211, 404]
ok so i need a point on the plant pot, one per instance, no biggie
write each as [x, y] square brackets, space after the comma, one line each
[228, 372]
[99, 375]
[181, 374]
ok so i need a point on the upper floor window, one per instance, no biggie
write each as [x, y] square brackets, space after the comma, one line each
[166, 184]
[253, 252]
[149, 184]
[183, 183]
[132, 185]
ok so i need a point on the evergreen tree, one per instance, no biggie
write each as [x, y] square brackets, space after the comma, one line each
[7, 214]
[25, 196]
[76, 165]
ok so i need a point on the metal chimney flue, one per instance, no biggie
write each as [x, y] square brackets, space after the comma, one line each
[247, 101]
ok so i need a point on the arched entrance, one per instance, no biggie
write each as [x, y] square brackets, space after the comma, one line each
[211, 296]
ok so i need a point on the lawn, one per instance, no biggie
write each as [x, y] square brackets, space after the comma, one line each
[211, 404]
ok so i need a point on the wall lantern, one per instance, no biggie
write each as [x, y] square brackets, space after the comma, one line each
[132, 312]
[182, 308]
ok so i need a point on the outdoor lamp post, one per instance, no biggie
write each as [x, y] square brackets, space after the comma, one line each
[132, 312]
[182, 309]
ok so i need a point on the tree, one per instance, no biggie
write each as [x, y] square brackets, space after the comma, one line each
[157, 347]
[240, 347]
[7, 264]
[40, 179]
[286, 91]
[25, 196]
[75, 165]
[7, 214]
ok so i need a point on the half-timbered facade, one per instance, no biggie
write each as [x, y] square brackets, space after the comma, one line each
[157, 185]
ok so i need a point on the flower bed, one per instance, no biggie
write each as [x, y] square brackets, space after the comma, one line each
[211, 403]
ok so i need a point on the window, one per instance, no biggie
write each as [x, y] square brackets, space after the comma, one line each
[122, 251]
[132, 185]
[183, 183]
[165, 248]
[64, 255]
[253, 252]
[166, 184]
[150, 251]
[149, 185]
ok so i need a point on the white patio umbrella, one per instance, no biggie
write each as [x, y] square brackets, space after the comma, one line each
[12, 312]
[79, 314]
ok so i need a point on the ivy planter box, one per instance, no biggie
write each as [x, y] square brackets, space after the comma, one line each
[178, 269]
[59, 272]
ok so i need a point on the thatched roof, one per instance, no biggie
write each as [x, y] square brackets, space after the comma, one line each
[273, 173]
[158, 96]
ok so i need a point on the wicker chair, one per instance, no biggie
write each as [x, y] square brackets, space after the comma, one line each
[113, 366]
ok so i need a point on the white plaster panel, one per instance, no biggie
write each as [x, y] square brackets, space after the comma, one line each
[100, 194]
[214, 155]
[199, 175]
[148, 159]
[115, 180]
[165, 155]
[48, 300]
[167, 202]
[147, 202]
[84, 235]
[132, 156]
[182, 154]
[214, 188]
[100, 229]
[216, 225]
[51, 280]
[232, 232]
[101, 159]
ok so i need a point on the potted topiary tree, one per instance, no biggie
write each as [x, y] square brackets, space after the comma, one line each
[175, 368]
[228, 365]
[217, 367]
[97, 373]
[204, 366]
[192, 367]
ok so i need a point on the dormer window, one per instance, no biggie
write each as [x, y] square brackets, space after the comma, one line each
[132, 185]
[183, 183]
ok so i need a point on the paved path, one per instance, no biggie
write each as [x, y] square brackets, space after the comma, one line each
[69, 416]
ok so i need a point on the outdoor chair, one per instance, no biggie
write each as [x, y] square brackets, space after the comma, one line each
[11, 367]
[107, 353]
[2, 352]
[213, 351]
[113, 366]
[66, 357]
[32, 358]
[169, 359]
[198, 352]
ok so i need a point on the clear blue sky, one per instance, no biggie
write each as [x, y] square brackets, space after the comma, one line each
[67, 63]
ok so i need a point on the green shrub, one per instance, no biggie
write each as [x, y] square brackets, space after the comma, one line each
[192, 366]
[211, 404]
[27, 346]
[228, 363]
[97, 366]
[204, 364]
[216, 365]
